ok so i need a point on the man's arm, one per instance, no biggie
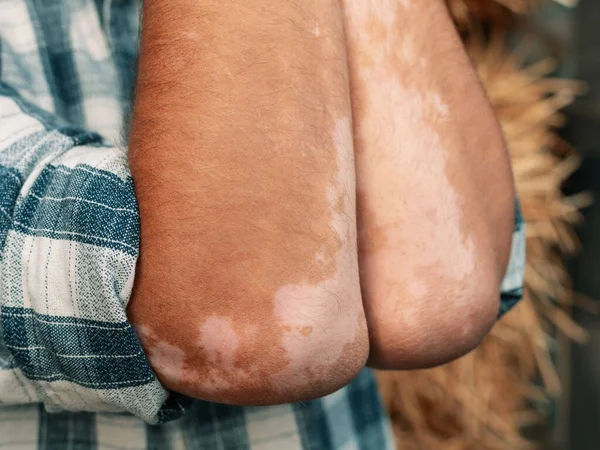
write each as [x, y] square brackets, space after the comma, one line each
[435, 191]
[241, 150]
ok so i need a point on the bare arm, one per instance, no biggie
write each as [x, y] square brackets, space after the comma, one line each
[435, 195]
[241, 151]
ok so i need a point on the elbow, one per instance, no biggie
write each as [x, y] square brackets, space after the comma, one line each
[423, 312]
[258, 361]
[447, 323]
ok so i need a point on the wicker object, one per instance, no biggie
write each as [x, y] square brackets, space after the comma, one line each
[483, 400]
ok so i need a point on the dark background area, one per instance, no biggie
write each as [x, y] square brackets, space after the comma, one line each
[582, 393]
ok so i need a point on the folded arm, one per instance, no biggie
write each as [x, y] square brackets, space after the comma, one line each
[435, 190]
[247, 286]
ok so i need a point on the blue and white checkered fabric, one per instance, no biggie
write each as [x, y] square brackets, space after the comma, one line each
[72, 372]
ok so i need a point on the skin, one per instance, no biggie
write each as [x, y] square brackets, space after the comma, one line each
[242, 155]
[435, 196]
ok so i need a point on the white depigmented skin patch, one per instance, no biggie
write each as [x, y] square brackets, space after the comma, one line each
[442, 108]
[421, 150]
[313, 319]
[219, 341]
[191, 35]
[320, 257]
[317, 31]
[165, 358]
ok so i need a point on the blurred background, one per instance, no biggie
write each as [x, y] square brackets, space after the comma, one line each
[535, 381]
[582, 404]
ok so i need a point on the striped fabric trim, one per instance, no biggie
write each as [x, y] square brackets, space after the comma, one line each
[83, 205]
[82, 351]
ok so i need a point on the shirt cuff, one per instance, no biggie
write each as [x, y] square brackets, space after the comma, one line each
[511, 289]
[69, 240]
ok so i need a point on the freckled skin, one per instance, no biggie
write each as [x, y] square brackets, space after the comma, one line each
[435, 197]
[246, 196]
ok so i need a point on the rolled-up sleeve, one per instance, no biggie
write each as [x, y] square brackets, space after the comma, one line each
[69, 237]
[511, 289]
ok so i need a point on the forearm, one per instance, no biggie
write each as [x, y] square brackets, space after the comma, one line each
[241, 153]
[435, 200]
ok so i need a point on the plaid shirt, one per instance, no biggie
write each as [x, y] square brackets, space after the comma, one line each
[72, 372]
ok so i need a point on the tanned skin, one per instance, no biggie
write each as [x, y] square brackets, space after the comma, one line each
[247, 286]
